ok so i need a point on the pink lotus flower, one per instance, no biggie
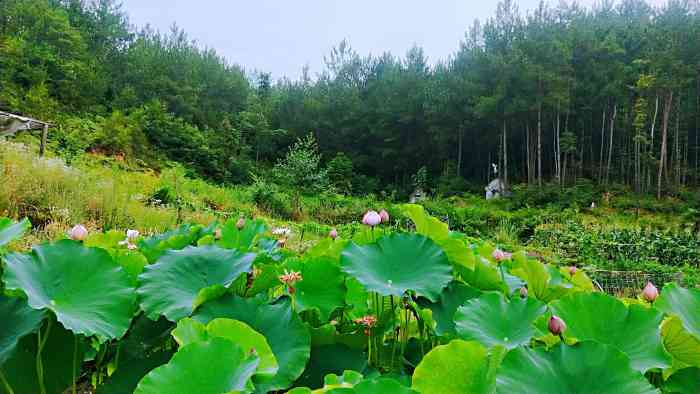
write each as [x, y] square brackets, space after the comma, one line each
[500, 255]
[556, 325]
[131, 235]
[240, 223]
[650, 292]
[368, 322]
[384, 215]
[78, 233]
[290, 278]
[572, 270]
[333, 233]
[371, 218]
[523, 292]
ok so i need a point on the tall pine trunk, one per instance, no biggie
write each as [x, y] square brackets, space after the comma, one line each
[664, 136]
[602, 146]
[459, 152]
[505, 155]
[610, 147]
[539, 145]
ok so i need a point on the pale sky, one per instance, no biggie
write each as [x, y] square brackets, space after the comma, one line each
[281, 36]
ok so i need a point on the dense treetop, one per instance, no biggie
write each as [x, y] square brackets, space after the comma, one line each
[611, 94]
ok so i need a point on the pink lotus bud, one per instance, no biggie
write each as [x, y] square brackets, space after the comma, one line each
[384, 215]
[523, 292]
[240, 223]
[500, 255]
[78, 233]
[650, 292]
[131, 235]
[556, 325]
[572, 270]
[371, 218]
[333, 234]
[217, 233]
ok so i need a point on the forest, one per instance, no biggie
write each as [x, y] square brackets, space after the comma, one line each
[609, 94]
[193, 226]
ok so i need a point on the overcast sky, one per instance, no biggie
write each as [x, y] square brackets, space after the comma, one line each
[281, 36]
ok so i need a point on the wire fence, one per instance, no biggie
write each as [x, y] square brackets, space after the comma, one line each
[631, 283]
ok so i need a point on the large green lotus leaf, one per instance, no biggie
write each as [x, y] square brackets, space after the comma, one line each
[10, 231]
[484, 276]
[543, 281]
[131, 370]
[322, 286]
[89, 293]
[493, 320]
[284, 331]
[380, 386]
[133, 263]
[143, 348]
[452, 297]
[57, 360]
[107, 240]
[458, 367]
[211, 367]
[183, 279]
[588, 367]
[425, 224]
[397, 263]
[356, 297]
[456, 250]
[633, 329]
[351, 382]
[685, 381]
[683, 346]
[330, 359]
[243, 239]
[154, 247]
[267, 277]
[190, 331]
[683, 303]
[327, 247]
[18, 320]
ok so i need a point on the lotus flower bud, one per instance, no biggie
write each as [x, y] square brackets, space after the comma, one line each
[78, 233]
[217, 233]
[384, 215]
[333, 234]
[500, 255]
[650, 292]
[572, 270]
[556, 325]
[371, 218]
[240, 223]
[131, 235]
[523, 292]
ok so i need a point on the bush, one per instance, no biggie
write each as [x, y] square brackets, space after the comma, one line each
[340, 173]
[268, 197]
[301, 167]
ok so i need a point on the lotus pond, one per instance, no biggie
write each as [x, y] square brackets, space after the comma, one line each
[231, 308]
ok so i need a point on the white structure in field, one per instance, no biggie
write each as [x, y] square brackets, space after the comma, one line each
[495, 189]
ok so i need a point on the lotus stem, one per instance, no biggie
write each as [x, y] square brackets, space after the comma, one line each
[5, 383]
[75, 361]
[39, 362]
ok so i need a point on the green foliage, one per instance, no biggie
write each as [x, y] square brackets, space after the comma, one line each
[247, 315]
[301, 167]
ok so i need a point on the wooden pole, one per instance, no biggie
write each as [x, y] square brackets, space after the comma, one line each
[44, 135]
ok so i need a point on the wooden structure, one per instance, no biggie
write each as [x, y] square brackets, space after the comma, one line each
[12, 123]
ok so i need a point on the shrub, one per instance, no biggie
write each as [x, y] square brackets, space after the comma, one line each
[301, 167]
